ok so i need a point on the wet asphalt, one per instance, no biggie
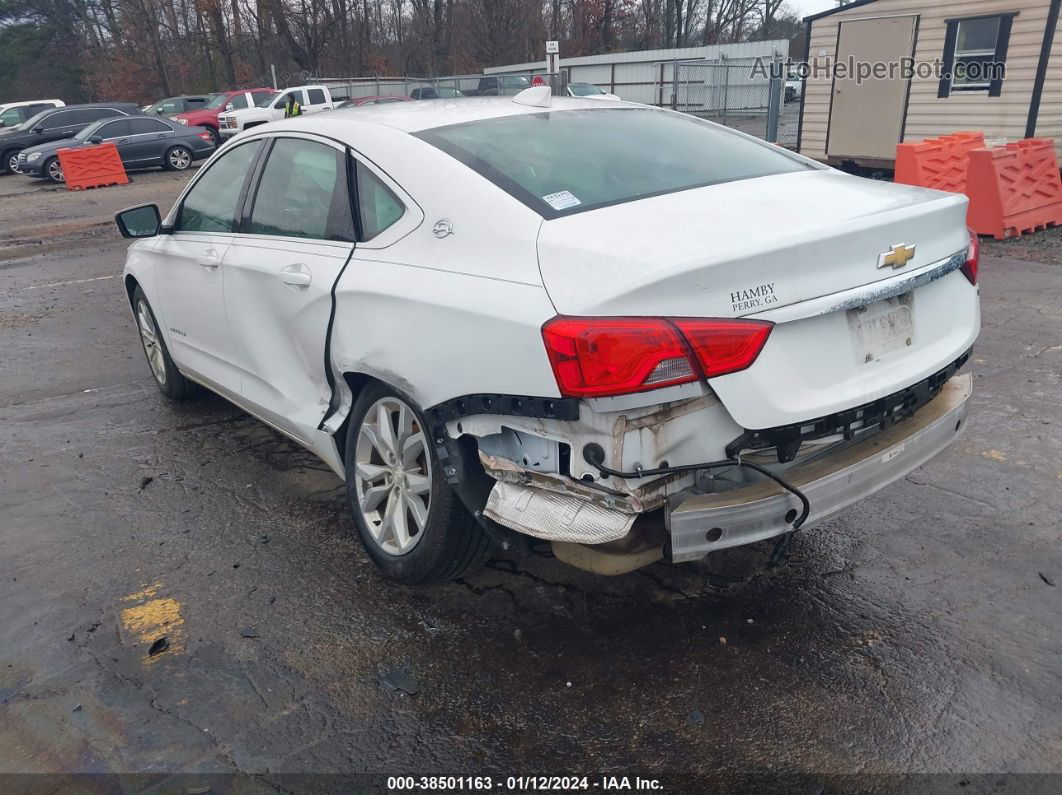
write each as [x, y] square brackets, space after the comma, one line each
[917, 632]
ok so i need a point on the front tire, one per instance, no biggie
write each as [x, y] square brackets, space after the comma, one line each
[179, 158]
[9, 162]
[411, 522]
[215, 136]
[169, 379]
[53, 170]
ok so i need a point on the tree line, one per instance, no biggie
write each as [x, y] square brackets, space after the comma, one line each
[141, 50]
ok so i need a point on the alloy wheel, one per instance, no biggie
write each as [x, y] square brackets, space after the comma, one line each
[12, 164]
[149, 336]
[55, 171]
[392, 475]
[180, 159]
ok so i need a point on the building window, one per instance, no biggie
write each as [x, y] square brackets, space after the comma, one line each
[975, 54]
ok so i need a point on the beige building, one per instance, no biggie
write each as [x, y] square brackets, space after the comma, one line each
[986, 65]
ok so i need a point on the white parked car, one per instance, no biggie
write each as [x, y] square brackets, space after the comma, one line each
[270, 107]
[616, 328]
[587, 90]
[12, 114]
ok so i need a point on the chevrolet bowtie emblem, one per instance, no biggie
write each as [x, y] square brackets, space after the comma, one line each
[896, 257]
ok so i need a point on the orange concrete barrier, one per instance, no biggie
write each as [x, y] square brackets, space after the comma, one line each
[92, 167]
[1014, 189]
[937, 162]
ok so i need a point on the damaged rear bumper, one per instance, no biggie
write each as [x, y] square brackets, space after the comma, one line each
[699, 524]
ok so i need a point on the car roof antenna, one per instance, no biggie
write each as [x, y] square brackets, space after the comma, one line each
[536, 97]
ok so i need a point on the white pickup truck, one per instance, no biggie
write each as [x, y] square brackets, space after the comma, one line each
[270, 107]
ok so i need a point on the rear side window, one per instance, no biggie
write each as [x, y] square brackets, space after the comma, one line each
[88, 115]
[145, 126]
[569, 161]
[210, 205]
[317, 96]
[303, 193]
[378, 207]
[12, 116]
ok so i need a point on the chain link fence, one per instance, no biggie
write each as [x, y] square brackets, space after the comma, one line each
[745, 94]
[446, 87]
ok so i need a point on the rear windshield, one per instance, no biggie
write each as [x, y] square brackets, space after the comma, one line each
[569, 161]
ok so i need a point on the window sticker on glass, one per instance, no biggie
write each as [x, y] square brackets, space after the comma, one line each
[561, 200]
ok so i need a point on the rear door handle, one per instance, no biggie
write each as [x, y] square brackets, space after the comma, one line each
[296, 276]
[210, 259]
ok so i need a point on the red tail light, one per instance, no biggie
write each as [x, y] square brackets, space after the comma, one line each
[602, 356]
[725, 346]
[973, 255]
[206, 137]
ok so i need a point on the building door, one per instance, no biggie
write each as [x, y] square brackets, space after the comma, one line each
[866, 118]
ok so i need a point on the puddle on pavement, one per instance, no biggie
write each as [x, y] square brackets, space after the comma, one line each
[149, 618]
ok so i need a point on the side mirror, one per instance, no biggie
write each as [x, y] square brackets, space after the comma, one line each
[228, 106]
[96, 139]
[142, 221]
[38, 130]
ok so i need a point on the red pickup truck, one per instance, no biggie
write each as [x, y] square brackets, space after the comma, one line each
[207, 117]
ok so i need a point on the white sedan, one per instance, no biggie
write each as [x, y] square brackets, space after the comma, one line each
[618, 329]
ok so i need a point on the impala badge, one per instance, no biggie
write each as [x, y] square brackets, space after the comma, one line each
[897, 256]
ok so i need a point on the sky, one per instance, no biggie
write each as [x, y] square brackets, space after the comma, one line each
[805, 7]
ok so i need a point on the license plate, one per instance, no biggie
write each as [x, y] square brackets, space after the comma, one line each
[882, 327]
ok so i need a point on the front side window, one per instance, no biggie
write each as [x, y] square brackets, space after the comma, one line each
[210, 205]
[112, 130]
[563, 162]
[88, 132]
[296, 95]
[262, 100]
[378, 207]
[60, 119]
[975, 54]
[221, 100]
[303, 193]
[11, 117]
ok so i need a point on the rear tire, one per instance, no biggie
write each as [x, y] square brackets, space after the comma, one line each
[168, 378]
[410, 521]
[178, 158]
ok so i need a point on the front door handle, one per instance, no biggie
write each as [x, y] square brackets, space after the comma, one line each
[296, 276]
[210, 259]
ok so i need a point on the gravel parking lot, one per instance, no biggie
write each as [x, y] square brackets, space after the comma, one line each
[918, 632]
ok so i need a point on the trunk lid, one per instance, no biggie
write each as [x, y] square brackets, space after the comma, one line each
[792, 236]
[768, 248]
